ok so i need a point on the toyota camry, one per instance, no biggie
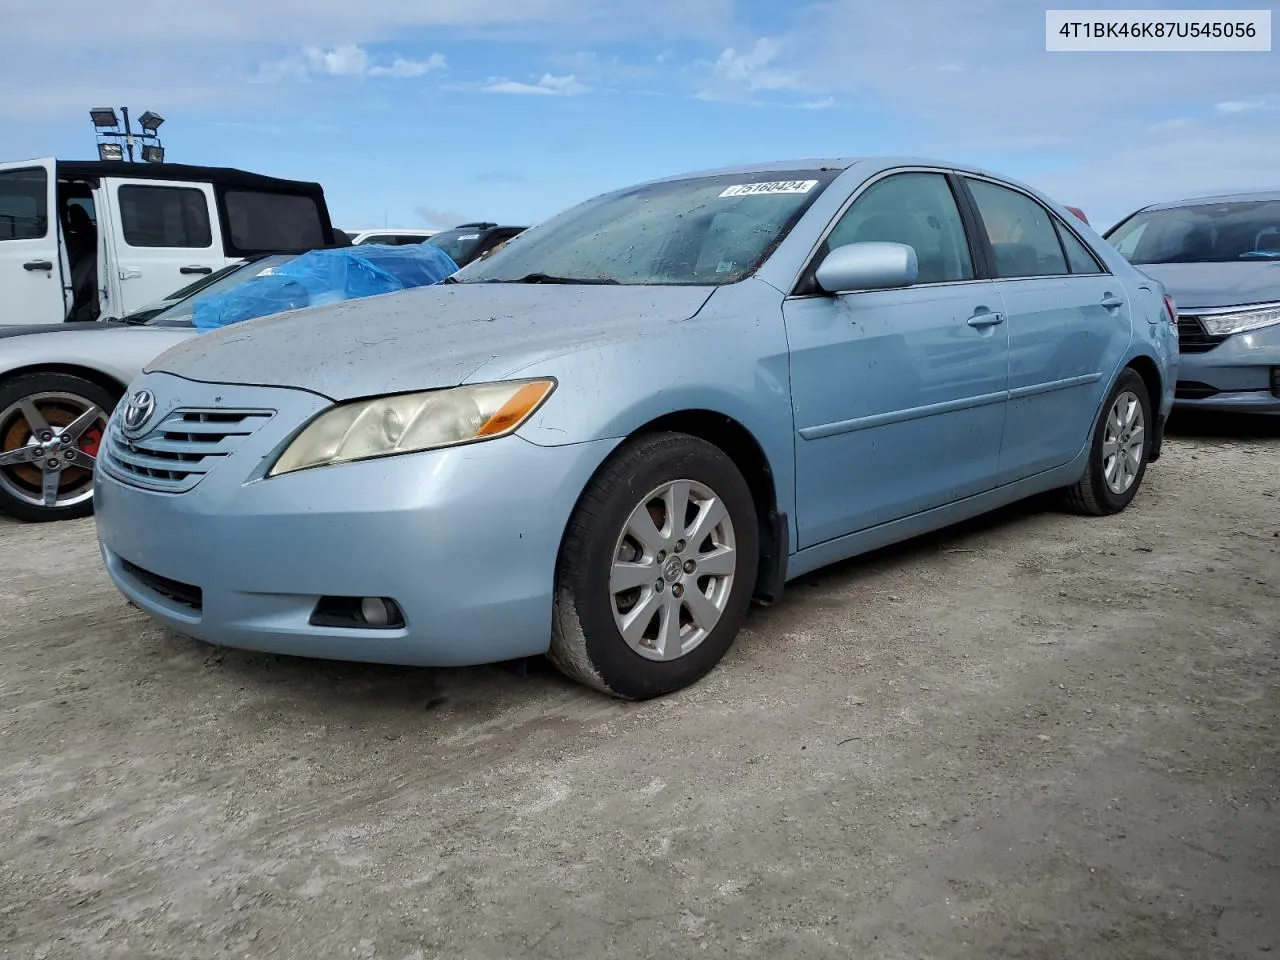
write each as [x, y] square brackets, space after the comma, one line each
[606, 440]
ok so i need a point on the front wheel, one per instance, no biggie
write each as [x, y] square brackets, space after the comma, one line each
[50, 427]
[657, 568]
[1118, 453]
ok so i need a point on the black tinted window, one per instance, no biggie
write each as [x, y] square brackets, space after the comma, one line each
[919, 210]
[273, 221]
[1021, 232]
[24, 204]
[164, 217]
[1202, 233]
[1078, 256]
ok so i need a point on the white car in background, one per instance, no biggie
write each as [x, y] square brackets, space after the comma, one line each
[394, 236]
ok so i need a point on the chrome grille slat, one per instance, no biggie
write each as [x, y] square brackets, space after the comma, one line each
[180, 450]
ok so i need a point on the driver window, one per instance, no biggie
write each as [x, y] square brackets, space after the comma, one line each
[917, 209]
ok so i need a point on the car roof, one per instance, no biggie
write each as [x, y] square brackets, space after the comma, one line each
[224, 176]
[1242, 197]
[830, 163]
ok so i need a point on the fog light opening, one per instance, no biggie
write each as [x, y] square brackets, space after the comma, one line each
[358, 613]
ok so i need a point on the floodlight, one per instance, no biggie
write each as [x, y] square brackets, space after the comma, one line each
[104, 117]
[150, 122]
[152, 154]
[110, 151]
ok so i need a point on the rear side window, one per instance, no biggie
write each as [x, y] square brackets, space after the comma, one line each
[261, 221]
[1021, 232]
[24, 204]
[164, 217]
[1079, 258]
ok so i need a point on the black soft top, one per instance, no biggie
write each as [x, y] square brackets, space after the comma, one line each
[222, 176]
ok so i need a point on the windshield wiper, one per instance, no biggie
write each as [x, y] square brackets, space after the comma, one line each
[549, 278]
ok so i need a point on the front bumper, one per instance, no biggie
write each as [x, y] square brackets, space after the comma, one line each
[1241, 375]
[464, 540]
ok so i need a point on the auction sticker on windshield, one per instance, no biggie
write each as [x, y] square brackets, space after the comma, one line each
[776, 186]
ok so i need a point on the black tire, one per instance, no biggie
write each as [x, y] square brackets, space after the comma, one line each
[1091, 495]
[587, 643]
[14, 432]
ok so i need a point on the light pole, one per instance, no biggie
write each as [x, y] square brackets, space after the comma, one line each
[113, 142]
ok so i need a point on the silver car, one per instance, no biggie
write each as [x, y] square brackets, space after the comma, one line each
[58, 385]
[1219, 257]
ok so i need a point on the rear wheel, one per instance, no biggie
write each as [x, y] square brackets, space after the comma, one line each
[657, 568]
[51, 425]
[1120, 447]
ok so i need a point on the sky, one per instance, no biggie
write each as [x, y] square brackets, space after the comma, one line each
[428, 113]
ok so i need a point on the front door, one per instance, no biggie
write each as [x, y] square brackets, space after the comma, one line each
[31, 268]
[165, 235]
[898, 395]
[1069, 328]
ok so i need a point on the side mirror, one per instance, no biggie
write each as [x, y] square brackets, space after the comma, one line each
[873, 265]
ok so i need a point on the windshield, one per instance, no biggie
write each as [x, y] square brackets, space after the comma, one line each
[180, 313]
[458, 244]
[1201, 233]
[703, 231]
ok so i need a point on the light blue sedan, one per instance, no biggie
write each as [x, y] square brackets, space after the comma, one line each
[606, 440]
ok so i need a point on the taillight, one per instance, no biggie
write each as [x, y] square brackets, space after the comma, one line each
[1172, 309]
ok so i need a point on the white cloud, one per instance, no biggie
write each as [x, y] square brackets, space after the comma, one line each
[751, 71]
[547, 85]
[345, 61]
[401, 67]
[348, 61]
[1242, 106]
[208, 56]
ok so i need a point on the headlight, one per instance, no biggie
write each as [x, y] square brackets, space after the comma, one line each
[412, 422]
[1223, 324]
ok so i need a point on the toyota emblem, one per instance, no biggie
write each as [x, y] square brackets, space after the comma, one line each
[139, 409]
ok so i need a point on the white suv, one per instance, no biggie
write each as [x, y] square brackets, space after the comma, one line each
[90, 240]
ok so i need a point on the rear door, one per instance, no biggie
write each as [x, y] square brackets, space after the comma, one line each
[164, 236]
[32, 288]
[1069, 328]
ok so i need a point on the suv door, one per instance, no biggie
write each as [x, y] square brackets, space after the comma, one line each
[898, 395]
[1069, 327]
[164, 236]
[32, 288]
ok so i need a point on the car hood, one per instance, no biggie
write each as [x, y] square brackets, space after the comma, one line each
[430, 337]
[23, 329]
[1202, 286]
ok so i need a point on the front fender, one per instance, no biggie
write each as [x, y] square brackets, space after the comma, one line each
[730, 359]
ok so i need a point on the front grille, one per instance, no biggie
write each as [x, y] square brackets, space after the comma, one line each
[1192, 337]
[1193, 390]
[1275, 381]
[181, 450]
[177, 591]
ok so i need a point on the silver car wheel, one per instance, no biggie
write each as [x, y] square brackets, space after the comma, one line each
[1123, 443]
[673, 570]
[48, 448]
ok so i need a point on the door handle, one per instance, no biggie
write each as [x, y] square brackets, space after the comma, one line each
[1112, 303]
[196, 270]
[129, 273]
[985, 319]
[37, 265]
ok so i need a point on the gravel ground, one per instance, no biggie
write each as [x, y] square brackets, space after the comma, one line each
[1035, 736]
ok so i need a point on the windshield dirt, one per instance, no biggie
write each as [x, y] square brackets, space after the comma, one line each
[702, 231]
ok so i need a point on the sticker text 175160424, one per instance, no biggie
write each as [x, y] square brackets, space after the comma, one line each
[776, 186]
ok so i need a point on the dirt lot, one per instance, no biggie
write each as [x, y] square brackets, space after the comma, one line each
[1038, 736]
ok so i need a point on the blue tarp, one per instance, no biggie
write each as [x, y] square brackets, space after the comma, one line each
[326, 276]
